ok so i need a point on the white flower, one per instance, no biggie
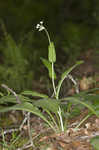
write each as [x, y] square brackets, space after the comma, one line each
[40, 26]
[37, 26]
[41, 22]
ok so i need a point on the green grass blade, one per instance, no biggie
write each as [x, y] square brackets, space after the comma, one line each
[95, 142]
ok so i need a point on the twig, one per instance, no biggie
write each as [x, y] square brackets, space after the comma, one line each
[27, 119]
[24, 121]
[29, 130]
[10, 90]
[25, 146]
[94, 134]
[74, 82]
[73, 124]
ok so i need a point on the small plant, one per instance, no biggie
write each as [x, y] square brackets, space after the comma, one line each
[53, 106]
[16, 140]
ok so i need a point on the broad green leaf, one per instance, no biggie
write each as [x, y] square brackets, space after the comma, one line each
[29, 108]
[95, 142]
[77, 100]
[64, 75]
[51, 53]
[12, 99]
[48, 65]
[33, 93]
[48, 104]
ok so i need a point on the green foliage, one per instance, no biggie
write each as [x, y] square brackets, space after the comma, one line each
[22, 20]
[48, 65]
[30, 108]
[11, 99]
[95, 142]
[14, 68]
[74, 39]
[51, 53]
[76, 32]
[52, 106]
[77, 100]
[64, 76]
[14, 139]
[49, 105]
[33, 93]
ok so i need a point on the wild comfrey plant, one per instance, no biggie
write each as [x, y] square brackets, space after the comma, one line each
[52, 106]
[50, 66]
[51, 60]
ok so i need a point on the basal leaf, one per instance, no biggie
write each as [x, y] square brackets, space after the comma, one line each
[92, 97]
[77, 100]
[33, 93]
[12, 99]
[49, 104]
[29, 108]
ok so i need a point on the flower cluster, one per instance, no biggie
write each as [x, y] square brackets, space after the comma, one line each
[40, 26]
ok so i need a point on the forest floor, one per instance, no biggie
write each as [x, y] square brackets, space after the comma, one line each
[45, 139]
[42, 136]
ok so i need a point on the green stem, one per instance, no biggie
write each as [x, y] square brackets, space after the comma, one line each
[47, 35]
[61, 120]
[52, 118]
[59, 86]
[53, 79]
[52, 63]
[82, 121]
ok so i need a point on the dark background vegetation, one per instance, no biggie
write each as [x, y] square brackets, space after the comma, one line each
[73, 26]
